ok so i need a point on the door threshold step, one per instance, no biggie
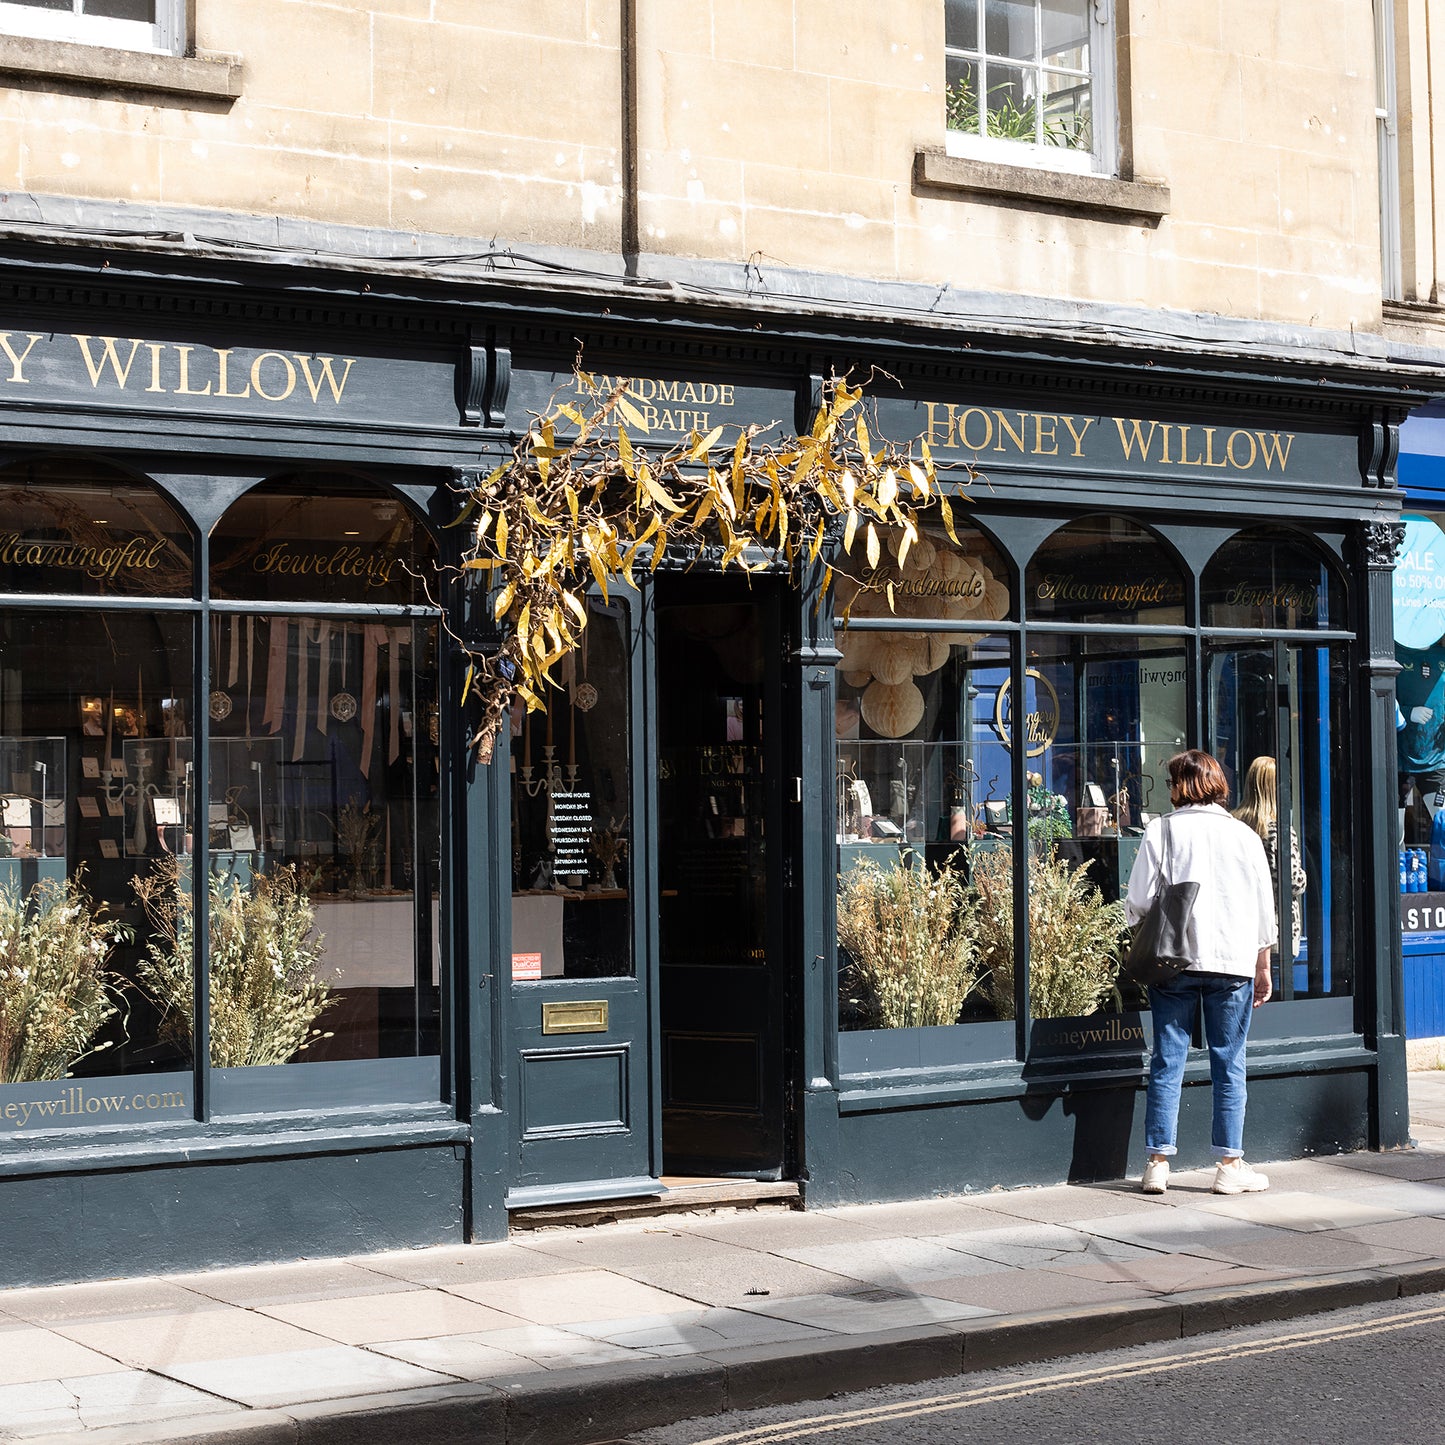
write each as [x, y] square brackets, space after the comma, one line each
[682, 1196]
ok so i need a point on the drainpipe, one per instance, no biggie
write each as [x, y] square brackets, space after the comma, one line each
[631, 238]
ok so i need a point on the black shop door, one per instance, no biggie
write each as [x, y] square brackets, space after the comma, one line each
[723, 814]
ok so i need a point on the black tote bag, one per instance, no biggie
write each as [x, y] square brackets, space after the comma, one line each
[1159, 947]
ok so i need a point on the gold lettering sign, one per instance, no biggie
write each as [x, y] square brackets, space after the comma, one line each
[1303, 598]
[676, 406]
[998, 431]
[138, 554]
[1125, 596]
[285, 561]
[1041, 726]
[133, 364]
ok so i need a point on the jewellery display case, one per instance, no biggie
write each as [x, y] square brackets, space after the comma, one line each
[33, 811]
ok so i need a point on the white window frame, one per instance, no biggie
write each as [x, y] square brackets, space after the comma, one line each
[1103, 159]
[166, 36]
[1387, 138]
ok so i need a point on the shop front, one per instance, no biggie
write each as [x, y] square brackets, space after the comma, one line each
[319, 981]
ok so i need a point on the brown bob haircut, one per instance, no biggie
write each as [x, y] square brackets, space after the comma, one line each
[1196, 777]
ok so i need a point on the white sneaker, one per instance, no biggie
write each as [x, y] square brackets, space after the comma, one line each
[1239, 1178]
[1156, 1176]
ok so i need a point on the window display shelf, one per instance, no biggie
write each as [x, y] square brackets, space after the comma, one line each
[33, 797]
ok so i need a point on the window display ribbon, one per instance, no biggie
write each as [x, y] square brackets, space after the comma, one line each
[275, 712]
[323, 681]
[303, 681]
[374, 636]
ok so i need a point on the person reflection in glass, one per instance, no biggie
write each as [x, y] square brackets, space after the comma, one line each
[1260, 810]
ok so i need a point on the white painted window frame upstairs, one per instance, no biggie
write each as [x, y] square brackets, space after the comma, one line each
[165, 37]
[1103, 159]
[1387, 138]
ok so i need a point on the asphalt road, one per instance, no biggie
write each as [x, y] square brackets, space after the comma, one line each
[1374, 1374]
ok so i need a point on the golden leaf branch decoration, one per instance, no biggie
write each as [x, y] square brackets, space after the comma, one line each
[584, 499]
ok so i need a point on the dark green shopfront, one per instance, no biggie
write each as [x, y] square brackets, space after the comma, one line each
[435, 991]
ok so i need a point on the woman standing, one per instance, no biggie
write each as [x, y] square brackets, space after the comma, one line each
[1231, 932]
[1260, 811]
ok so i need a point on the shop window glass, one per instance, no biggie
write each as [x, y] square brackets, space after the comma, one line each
[1278, 720]
[97, 806]
[571, 823]
[74, 528]
[1271, 578]
[924, 834]
[320, 538]
[1105, 570]
[922, 789]
[1106, 713]
[323, 815]
[324, 829]
[1419, 587]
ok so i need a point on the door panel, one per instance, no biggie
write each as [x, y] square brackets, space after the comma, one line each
[581, 1101]
[720, 840]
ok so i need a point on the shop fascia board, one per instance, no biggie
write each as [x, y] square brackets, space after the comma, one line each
[96, 1151]
[319, 260]
[883, 1093]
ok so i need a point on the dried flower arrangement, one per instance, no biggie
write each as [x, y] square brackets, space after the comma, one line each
[580, 499]
[55, 991]
[357, 829]
[609, 845]
[266, 991]
[908, 932]
[1074, 935]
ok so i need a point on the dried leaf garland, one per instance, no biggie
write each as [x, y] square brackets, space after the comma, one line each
[583, 499]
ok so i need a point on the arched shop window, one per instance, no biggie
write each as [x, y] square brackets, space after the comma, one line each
[1280, 705]
[923, 784]
[1107, 692]
[98, 793]
[323, 784]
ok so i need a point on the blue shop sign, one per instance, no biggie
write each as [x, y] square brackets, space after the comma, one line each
[1420, 585]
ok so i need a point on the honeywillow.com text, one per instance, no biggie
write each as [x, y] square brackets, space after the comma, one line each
[74, 1100]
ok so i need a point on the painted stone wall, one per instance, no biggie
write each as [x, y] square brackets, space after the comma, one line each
[770, 132]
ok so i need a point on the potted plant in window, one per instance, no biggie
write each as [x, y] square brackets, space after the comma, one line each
[267, 990]
[1075, 936]
[909, 937]
[55, 992]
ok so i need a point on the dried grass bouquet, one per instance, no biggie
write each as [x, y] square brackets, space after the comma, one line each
[907, 932]
[1074, 935]
[55, 992]
[266, 990]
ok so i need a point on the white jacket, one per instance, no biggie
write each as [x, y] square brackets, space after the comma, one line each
[1234, 912]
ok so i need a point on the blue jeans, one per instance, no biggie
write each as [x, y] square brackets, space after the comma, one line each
[1228, 1004]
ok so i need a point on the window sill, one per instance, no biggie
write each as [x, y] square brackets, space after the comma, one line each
[1100, 196]
[201, 78]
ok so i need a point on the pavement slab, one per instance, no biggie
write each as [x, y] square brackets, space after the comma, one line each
[587, 1294]
[893, 1262]
[1032, 1245]
[1299, 1211]
[279, 1284]
[924, 1217]
[156, 1342]
[696, 1333]
[105, 1300]
[869, 1311]
[1045, 1289]
[442, 1267]
[300, 1376]
[29, 1353]
[737, 1278]
[75, 1404]
[415, 1314]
